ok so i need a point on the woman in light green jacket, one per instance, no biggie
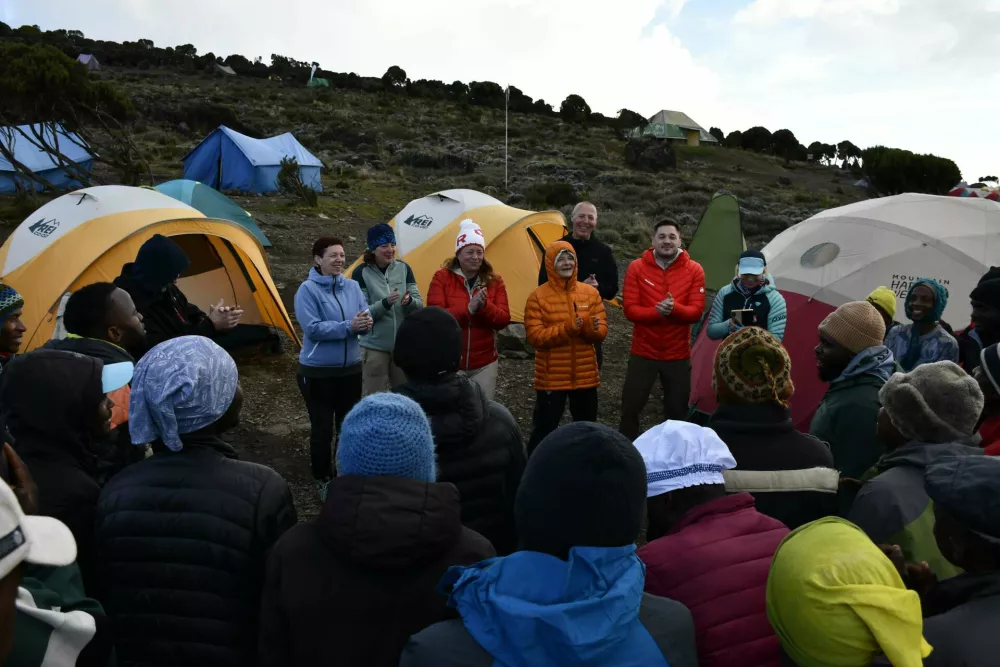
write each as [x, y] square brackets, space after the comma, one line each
[392, 293]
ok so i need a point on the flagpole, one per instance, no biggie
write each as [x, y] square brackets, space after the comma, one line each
[506, 105]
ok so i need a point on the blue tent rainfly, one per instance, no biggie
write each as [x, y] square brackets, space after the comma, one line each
[40, 162]
[228, 160]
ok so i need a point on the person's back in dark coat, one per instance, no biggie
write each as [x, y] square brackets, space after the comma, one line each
[183, 537]
[479, 450]
[55, 409]
[351, 587]
[790, 474]
[961, 614]
[479, 446]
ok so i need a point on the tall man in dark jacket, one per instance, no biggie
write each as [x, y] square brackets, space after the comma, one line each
[924, 414]
[962, 613]
[790, 474]
[151, 281]
[573, 594]
[183, 536]
[596, 261]
[102, 322]
[351, 587]
[479, 445]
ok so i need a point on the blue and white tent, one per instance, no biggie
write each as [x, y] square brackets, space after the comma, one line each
[228, 160]
[40, 162]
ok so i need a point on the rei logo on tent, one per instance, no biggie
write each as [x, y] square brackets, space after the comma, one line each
[419, 221]
[44, 228]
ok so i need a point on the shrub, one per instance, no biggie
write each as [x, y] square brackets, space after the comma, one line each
[551, 194]
[650, 154]
[290, 182]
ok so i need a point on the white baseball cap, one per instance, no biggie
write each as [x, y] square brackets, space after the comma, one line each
[39, 540]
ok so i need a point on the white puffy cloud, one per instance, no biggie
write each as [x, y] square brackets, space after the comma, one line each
[914, 74]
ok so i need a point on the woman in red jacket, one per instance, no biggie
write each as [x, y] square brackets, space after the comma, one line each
[468, 289]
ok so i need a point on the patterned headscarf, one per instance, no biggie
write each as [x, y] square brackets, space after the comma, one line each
[180, 386]
[752, 367]
[10, 301]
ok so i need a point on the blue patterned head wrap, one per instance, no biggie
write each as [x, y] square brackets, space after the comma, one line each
[180, 386]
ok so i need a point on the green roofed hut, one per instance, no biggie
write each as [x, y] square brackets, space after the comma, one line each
[213, 204]
[677, 128]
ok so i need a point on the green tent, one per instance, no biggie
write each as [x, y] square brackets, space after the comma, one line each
[718, 241]
[212, 203]
[318, 83]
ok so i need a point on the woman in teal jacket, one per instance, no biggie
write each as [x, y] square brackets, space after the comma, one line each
[751, 289]
[391, 290]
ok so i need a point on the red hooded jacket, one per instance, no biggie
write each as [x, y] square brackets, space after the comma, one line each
[449, 290]
[646, 284]
[715, 562]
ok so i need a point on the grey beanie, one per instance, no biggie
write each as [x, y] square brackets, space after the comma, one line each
[934, 403]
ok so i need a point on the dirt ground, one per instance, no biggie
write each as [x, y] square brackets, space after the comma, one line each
[275, 426]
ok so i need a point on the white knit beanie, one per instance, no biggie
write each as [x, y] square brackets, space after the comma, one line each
[934, 403]
[469, 233]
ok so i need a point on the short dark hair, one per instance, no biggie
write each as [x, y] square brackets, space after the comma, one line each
[324, 242]
[665, 222]
[86, 311]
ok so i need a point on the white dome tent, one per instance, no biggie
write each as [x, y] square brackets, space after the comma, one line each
[842, 254]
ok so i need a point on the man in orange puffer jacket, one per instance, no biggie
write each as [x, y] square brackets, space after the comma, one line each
[664, 295]
[563, 319]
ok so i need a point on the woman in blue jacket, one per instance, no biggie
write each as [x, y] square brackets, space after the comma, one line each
[332, 311]
[751, 289]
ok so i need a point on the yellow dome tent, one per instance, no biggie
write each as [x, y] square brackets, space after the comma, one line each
[515, 239]
[87, 236]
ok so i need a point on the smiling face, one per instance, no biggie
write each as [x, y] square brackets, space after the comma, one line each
[564, 264]
[666, 242]
[384, 254]
[331, 262]
[12, 333]
[921, 302]
[584, 221]
[470, 259]
[831, 358]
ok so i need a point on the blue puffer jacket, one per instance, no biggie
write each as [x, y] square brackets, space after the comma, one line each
[767, 303]
[324, 307]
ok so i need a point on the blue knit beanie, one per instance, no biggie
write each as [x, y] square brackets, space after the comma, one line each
[387, 434]
[380, 234]
[10, 301]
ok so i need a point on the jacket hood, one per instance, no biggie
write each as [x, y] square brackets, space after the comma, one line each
[329, 282]
[456, 407]
[649, 257]
[768, 418]
[109, 353]
[550, 266]
[141, 296]
[921, 455]
[159, 262]
[533, 609]
[50, 400]
[390, 523]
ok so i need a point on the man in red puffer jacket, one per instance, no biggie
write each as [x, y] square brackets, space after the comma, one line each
[664, 295]
[709, 551]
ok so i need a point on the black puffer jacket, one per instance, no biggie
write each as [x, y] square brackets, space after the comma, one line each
[351, 587]
[116, 451]
[50, 401]
[182, 540]
[479, 449]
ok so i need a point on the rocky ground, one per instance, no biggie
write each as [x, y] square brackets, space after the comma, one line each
[382, 151]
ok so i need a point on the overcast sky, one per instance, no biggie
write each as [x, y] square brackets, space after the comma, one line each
[915, 74]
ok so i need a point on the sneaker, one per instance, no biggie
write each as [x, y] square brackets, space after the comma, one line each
[322, 485]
